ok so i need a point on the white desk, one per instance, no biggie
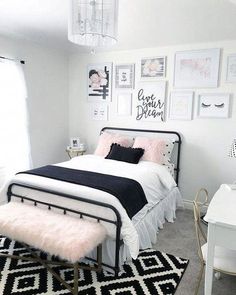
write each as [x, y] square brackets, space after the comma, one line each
[221, 218]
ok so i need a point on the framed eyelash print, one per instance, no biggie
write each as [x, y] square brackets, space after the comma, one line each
[214, 105]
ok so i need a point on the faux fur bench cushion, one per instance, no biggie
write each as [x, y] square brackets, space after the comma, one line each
[68, 237]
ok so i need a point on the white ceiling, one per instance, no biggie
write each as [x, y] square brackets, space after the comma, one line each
[142, 23]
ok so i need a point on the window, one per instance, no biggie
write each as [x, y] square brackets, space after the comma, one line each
[14, 139]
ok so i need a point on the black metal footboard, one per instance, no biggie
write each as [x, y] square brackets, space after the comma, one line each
[117, 222]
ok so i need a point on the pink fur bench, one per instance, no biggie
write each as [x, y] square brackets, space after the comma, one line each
[68, 237]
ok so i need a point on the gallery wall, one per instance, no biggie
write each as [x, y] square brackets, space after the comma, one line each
[206, 142]
[46, 74]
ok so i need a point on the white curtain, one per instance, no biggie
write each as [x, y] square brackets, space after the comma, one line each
[15, 152]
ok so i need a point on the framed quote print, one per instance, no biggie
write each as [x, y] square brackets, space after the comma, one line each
[125, 76]
[150, 101]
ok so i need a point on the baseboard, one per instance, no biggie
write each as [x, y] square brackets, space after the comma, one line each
[189, 205]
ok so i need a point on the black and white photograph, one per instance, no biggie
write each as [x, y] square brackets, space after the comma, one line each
[99, 82]
[74, 142]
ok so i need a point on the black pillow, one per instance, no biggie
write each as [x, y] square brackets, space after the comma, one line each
[124, 154]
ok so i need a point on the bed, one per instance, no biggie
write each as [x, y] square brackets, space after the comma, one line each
[125, 235]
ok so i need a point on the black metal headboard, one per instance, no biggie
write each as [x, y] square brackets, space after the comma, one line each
[177, 142]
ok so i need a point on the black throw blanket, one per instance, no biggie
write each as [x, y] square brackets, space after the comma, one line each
[128, 191]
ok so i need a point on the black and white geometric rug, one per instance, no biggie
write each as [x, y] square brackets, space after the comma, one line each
[153, 273]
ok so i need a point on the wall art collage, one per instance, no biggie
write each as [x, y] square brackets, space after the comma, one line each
[145, 99]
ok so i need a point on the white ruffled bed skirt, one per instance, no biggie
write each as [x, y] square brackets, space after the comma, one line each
[147, 227]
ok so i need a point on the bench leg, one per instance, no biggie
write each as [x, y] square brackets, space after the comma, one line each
[76, 278]
[52, 271]
[46, 263]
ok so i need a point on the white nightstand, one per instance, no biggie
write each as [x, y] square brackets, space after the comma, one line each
[74, 152]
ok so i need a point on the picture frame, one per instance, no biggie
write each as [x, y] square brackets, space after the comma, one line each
[231, 68]
[181, 105]
[197, 68]
[213, 105]
[99, 82]
[99, 112]
[75, 142]
[125, 76]
[150, 101]
[153, 68]
[124, 104]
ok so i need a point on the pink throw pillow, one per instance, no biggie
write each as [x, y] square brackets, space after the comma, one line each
[157, 150]
[107, 139]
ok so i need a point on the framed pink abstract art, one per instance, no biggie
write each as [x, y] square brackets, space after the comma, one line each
[197, 68]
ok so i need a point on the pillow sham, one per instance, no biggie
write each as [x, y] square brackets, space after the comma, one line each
[171, 168]
[106, 139]
[124, 154]
[157, 150]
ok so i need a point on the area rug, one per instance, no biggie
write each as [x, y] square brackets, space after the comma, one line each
[153, 273]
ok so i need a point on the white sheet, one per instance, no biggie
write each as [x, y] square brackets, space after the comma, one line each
[155, 180]
[147, 227]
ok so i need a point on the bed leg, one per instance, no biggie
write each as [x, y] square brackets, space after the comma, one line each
[76, 278]
[99, 257]
[117, 251]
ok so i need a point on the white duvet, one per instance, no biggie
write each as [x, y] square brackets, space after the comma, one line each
[155, 180]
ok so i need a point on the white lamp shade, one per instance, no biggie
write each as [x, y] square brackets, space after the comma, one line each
[232, 152]
[93, 22]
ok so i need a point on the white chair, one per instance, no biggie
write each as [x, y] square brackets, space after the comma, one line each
[224, 259]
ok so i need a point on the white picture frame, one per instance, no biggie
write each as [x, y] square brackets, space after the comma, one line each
[99, 112]
[231, 69]
[150, 101]
[152, 68]
[181, 105]
[75, 142]
[214, 105]
[124, 104]
[197, 68]
[99, 82]
[125, 76]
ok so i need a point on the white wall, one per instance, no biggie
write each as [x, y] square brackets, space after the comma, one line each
[206, 142]
[46, 72]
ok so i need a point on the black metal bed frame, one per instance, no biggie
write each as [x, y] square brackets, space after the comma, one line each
[117, 222]
[179, 142]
